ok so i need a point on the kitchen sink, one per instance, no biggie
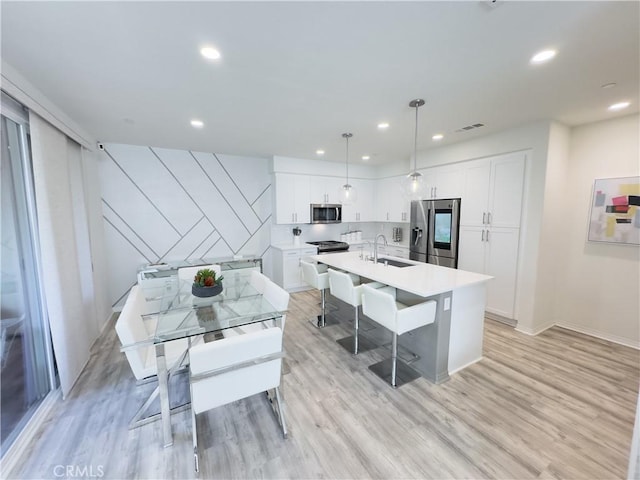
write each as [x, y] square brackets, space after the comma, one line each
[394, 263]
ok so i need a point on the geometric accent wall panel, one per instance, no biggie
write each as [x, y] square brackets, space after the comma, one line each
[170, 205]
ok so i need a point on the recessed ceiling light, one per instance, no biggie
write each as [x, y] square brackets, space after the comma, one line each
[383, 125]
[543, 56]
[365, 157]
[197, 123]
[210, 53]
[608, 85]
[437, 137]
[619, 106]
[319, 152]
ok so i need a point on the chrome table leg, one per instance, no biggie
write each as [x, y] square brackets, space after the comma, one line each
[163, 384]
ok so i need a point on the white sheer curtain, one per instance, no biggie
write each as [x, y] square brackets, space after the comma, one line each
[65, 247]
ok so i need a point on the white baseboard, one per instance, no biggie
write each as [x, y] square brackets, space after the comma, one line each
[451, 372]
[533, 332]
[602, 335]
[17, 451]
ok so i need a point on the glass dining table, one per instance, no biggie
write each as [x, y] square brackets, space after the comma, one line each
[180, 315]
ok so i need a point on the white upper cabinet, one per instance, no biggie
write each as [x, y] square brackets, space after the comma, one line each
[362, 210]
[443, 182]
[292, 198]
[325, 189]
[391, 204]
[493, 191]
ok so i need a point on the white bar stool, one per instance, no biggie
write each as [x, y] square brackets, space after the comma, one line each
[317, 277]
[380, 306]
[344, 287]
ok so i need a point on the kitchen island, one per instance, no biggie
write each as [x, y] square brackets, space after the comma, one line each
[454, 340]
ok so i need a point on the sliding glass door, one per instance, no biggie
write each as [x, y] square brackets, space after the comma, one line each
[26, 361]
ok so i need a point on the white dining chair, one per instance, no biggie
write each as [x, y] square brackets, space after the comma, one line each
[189, 273]
[258, 281]
[277, 297]
[234, 368]
[131, 329]
[380, 305]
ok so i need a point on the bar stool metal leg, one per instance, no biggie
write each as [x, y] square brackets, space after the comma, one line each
[323, 319]
[355, 333]
[394, 359]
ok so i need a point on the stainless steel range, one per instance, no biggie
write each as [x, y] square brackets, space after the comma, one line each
[330, 246]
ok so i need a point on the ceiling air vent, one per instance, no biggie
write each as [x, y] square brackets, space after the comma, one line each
[470, 127]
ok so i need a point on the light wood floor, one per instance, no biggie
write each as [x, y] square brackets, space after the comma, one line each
[559, 405]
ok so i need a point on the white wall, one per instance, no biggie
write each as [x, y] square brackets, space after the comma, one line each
[598, 284]
[554, 229]
[164, 205]
[322, 167]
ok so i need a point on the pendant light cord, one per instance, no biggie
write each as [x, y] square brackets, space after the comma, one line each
[347, 160]
[415, 142]
[347, 136]
[417, 103]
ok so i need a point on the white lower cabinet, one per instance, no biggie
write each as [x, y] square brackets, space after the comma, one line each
[492, 251]
[287, 271]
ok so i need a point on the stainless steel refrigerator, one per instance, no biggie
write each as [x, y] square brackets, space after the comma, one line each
[434, 231]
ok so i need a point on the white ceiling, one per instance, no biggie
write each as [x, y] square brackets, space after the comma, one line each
[295, 75]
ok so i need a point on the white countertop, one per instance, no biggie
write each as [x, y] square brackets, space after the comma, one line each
[371, 241]
[423, 279]
[291, 246]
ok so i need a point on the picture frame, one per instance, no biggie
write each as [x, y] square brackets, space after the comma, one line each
[615, 211]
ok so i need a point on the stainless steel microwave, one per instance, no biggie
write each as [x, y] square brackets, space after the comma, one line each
[326, 213]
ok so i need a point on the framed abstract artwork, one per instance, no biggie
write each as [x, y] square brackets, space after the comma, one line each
[615, 211]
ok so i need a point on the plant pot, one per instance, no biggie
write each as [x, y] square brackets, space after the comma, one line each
[204, 292]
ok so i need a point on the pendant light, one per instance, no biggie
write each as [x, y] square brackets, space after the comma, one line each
[348, 193]
[413, 183]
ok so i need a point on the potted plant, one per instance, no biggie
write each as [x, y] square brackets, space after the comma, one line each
[206, 283]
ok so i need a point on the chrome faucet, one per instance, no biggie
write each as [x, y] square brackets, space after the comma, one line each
[375, 246]
[362, 256]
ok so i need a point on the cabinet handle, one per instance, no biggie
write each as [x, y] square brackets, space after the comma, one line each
[435, 192]
[387, 216]
[487, 235]
[483, 235]
[489, 218]
[484, 218]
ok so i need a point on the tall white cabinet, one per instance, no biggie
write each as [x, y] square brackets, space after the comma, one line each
[490, 225]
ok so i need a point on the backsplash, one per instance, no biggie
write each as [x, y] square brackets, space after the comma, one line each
[282, 234]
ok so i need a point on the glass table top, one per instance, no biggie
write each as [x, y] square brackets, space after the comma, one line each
[181, 315]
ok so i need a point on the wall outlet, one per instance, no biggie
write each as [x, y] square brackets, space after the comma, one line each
[447, 303]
